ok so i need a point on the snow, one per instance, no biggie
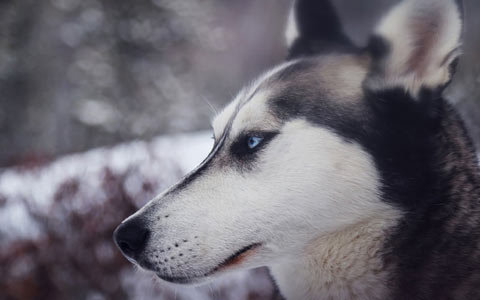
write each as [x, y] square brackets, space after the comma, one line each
[185, 151]
[159, 158]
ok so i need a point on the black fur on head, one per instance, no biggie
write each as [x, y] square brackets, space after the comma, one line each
[319, 29]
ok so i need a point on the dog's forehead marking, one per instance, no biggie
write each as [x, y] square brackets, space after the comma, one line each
[337, 77]
[342, 76]
[334, 77]
[256, 91]
[220, 122]
[255, 115]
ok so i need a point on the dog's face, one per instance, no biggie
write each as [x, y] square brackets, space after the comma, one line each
[252, 201]
[287, 167]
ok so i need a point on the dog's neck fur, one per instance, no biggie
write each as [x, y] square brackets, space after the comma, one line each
[444, 212]
[343, 265]
[351, 264]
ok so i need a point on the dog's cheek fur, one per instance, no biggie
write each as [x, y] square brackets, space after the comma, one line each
[344, 190]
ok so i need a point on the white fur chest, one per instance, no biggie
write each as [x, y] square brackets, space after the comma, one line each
[343, 265]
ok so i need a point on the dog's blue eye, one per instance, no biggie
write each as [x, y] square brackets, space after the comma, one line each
[253, 141]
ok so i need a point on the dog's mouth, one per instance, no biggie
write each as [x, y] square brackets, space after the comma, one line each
[233, 260]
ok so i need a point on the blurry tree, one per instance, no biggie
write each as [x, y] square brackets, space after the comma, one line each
[78, 74]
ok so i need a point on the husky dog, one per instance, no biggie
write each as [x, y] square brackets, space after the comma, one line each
[343, 170]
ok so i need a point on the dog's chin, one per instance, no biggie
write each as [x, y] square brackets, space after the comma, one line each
[190, 281]
[230, 264]
[146, 266]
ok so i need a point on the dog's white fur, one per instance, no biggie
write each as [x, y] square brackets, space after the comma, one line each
[342, 265]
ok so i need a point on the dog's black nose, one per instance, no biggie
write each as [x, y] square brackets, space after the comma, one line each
[131, 237]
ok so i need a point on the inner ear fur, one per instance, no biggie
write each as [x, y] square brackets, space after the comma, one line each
[415, 45]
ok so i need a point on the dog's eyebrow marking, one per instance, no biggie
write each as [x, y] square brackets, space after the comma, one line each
[262, 80]
[245, 96]
[227, 128]
[300, 67]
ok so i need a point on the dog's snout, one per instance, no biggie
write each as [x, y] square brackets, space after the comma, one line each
[131, 237]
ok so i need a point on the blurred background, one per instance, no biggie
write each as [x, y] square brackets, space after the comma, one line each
[137, 82]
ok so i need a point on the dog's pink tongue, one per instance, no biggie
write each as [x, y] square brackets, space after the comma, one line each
[239, 258]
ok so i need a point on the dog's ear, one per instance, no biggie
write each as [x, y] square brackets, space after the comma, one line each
[314, 27]
[416, 45]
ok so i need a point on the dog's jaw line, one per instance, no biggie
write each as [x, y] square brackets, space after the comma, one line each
[235, 259]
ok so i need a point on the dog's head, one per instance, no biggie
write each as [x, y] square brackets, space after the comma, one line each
[295, 153]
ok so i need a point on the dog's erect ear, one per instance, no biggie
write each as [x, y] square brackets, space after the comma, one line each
[415, 46]
[314, 27]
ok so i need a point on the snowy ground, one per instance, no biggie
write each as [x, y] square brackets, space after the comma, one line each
[182, 152]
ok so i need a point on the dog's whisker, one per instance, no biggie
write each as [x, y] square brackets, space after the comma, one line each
[210, 105]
